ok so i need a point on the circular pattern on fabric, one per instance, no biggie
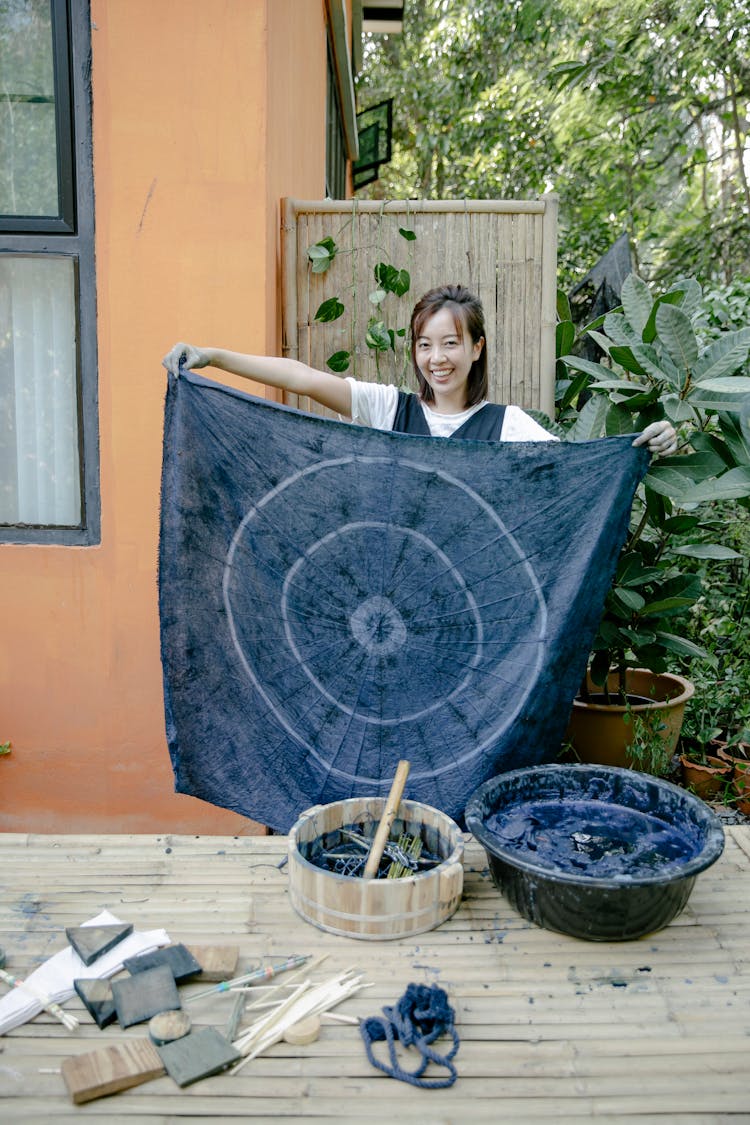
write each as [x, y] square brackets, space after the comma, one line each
[382, 610]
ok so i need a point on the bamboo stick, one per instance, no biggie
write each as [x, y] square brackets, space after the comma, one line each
[386, 821]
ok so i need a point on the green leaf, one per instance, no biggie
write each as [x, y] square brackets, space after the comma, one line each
[572, 391]
[629, 598]
[563, 306]
[732, 485]
[620, 330]
[636, 302]
[339, 361]
[737, 439]
[681, 646]
[724, 356]
[409, 235]
[599, 338]
[664, 605]
[378, 337]
[565, 335]
[668, 481]
[321, 254]
[330, 310]
[598, 370]
[676, 333]
[676, 525]
[590, 421]
[689, 292]
[618, 421]
[738, 384]
[711, 400]
[626, 358]
[386, 276]
[696, 466]
[672, 298]
[402, 283]
[377, 296]
[706, 551]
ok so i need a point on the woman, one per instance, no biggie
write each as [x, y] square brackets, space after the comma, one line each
[450, 362]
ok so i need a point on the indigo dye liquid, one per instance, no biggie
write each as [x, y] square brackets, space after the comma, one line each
[592, 838]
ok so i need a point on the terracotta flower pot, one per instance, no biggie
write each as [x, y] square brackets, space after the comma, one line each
[706, 779]
[604, 733]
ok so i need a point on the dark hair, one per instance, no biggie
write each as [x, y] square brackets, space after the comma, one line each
[468, 316]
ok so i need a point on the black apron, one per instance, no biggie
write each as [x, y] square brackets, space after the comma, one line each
[485, 425]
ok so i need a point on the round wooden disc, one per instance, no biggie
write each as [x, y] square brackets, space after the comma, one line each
[168, 1026]
[303, 1032]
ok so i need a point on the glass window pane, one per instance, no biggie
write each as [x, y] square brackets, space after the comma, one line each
[28, 142]
[39, 459]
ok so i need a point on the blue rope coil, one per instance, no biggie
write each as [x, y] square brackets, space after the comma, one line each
[420, 1017]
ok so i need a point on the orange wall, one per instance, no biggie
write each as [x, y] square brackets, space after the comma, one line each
[205, 112]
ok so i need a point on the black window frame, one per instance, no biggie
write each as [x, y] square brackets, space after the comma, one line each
[70, 235]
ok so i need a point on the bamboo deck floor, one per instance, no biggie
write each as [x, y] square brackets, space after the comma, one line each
[552, 1029]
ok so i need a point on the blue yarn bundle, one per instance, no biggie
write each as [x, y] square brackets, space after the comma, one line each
[417, 1020]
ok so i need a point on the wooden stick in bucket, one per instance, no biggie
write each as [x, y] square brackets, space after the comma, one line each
[386, 821]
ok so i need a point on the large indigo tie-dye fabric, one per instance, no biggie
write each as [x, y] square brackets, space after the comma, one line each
[334, 599]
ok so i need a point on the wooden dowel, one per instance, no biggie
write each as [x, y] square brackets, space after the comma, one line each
[386, 821]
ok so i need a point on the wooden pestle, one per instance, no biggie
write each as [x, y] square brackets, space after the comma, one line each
[386, 821]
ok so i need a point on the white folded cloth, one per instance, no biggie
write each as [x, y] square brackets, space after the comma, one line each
[54, 979]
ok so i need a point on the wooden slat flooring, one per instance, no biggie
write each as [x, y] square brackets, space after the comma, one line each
[552, 1029]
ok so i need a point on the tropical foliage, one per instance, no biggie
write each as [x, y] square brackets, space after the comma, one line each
[654, 365]
[635, 114]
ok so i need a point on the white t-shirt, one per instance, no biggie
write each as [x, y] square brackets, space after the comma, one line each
[375, 405]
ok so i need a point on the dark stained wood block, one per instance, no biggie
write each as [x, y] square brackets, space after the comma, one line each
[198, 1055]
[98, 998]
[90, 942]
[144, 995]
[177, 957]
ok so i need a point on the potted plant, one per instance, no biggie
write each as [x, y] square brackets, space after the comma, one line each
[653, 366]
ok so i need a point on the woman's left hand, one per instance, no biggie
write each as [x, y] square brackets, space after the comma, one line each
[660, 438]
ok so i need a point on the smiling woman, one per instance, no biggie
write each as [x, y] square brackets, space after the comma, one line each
[450, 365]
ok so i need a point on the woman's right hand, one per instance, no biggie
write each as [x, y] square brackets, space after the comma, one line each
[185, 355]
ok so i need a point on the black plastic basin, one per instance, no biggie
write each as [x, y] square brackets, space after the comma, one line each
[597, 852]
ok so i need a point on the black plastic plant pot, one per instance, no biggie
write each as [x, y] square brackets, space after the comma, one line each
[596, 852]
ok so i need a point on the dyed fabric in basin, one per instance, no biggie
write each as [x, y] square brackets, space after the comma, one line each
[596, 852]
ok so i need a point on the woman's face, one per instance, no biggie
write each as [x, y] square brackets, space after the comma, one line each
[444, 354]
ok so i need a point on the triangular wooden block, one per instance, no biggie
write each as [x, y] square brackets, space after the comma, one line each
[90, 942]
[110, 1069]
[197, 1055]
[98, 998]
[178, 957]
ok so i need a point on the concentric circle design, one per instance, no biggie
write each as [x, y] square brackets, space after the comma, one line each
[381, 609]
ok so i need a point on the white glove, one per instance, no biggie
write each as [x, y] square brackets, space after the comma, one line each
[190, 357]
[660, 438]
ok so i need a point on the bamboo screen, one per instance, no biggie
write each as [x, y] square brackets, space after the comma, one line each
[505, 251]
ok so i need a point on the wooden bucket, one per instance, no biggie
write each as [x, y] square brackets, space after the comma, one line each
[375, 909]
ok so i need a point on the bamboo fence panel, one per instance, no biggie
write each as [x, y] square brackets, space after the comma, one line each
[503, 250]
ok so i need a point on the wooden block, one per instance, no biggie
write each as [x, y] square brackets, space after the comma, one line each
[98, 998]
[144, 995]
[168, 1026]
[303, 1032]
[90, 942]
[198, 1055]
[111, 1069]
[218, 962]
[178, 957]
